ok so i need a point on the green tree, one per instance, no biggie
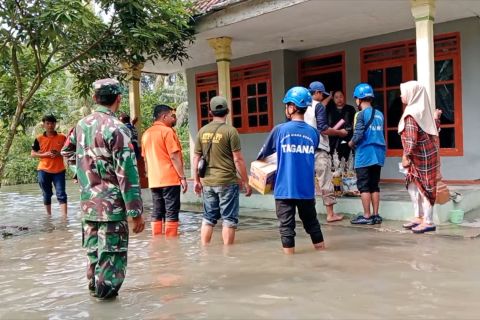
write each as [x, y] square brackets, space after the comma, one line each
[39, 39]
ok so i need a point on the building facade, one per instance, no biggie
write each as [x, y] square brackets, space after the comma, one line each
[383, 56]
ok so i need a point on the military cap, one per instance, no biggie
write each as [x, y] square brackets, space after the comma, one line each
[107, 86]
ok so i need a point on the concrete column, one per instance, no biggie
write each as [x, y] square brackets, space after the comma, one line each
[424, 13]
[223, 55]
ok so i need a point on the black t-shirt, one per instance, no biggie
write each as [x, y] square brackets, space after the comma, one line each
[334, 115]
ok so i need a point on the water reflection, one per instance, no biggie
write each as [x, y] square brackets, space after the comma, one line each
[362, 274]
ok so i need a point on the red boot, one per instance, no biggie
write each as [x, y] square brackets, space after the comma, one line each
[157, 227]
[171, 228]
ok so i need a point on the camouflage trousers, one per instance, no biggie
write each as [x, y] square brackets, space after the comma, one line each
[107, 246]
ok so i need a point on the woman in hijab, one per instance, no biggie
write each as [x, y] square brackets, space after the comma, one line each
[418, 128]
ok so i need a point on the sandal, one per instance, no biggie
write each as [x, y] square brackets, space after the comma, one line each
[410, 225]
[426, 228]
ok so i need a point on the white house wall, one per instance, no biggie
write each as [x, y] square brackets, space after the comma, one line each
[284, 75]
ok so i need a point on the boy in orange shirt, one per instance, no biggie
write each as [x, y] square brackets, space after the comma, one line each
[51, 169]
[162, 152]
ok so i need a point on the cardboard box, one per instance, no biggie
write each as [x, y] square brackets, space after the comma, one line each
[263, 173]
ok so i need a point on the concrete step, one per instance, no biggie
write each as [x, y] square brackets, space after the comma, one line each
[395, 203]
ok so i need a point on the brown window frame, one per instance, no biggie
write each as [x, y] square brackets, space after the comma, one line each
[241, 76]
[403, 53]
[318, 71]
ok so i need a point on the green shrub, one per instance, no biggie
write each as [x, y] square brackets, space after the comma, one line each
[21, 167]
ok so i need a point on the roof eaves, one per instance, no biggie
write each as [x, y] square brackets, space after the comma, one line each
[205, 7]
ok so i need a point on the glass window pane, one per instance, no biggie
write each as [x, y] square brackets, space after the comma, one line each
[394, 76]
[262, 88]
[252, 105]
[212, 93]
[443, 70]
[204, 111]
[262, 104]
[395, 107]
[203, 96]
[252, 121]
[332, 80]
[252, 90]
[235, 92]
[263, 119]
[237, 122]
[447, 138]
[237, 107]
[375, 78]
[394, 141]
[322, 62]
[444, 100]
[378, 101]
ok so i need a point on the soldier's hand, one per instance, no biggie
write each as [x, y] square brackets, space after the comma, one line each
[138, 224]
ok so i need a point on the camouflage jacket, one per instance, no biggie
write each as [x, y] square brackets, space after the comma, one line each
[100, 151]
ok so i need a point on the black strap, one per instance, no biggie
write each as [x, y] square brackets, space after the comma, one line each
[211, 141]
[371, 119]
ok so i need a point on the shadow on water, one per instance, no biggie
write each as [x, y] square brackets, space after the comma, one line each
[361, 275]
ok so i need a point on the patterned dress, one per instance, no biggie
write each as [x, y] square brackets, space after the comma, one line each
[422, 150]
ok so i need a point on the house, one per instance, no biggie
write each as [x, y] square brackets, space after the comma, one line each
[252, 51]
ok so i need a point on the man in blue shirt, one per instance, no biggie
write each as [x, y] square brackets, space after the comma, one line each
[369, 143]
[295, 143]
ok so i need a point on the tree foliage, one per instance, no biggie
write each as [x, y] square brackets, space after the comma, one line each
[91, 39]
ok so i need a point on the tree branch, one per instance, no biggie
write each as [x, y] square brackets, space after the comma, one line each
[36, 53]
[18, 76]
[52, 54]
[83, 52]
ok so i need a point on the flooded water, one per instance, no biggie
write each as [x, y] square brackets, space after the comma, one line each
[362, 275]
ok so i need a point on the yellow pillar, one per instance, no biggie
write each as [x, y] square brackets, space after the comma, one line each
[424, 13]
[223, 55]
[134, 74]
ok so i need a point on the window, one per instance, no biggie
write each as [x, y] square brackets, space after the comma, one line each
[329, 69]
[386, 66]
[251, 109]
[206, 85]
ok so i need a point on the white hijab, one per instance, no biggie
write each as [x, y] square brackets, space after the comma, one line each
[418, 106]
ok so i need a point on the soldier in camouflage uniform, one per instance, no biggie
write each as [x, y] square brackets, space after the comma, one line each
[99, 149]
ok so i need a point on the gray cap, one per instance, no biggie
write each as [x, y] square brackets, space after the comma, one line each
[107, 86]
[218, 103]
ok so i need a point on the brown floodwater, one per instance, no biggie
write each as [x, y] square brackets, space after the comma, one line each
[363, 274]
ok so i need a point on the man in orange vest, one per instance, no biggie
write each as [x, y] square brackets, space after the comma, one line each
[162, 152]
[51, 169]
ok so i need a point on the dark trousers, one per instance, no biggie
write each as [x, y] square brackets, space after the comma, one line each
[285, 209]
[166, 203]
[47, 180]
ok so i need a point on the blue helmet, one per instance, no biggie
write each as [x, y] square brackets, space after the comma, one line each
[362, 91]
[299, 96]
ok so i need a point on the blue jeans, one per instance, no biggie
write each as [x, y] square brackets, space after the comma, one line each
[221, 202]
[46, 180]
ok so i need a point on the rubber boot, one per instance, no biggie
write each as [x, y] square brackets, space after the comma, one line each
[157, 227]
[171, 228]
